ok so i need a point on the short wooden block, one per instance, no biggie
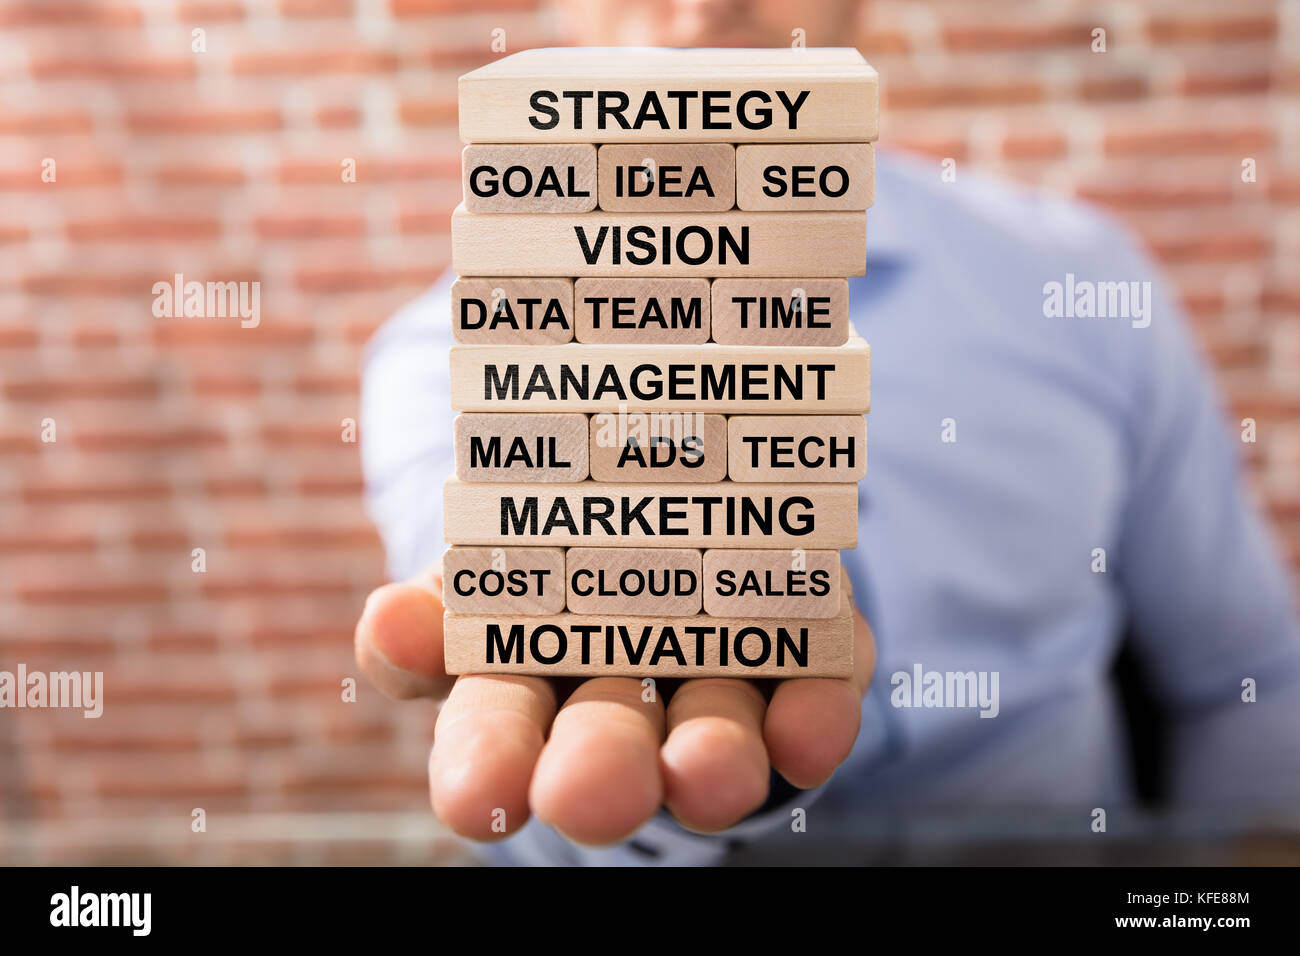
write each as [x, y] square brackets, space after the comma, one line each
[705, 244]
[755, 379]
[667, 177]
[658, 446]
[805, 176]
[517, 448]
[780, 311]
[503, 580]
[628, 94]
[544, 178]
[720, 515]
[642, 311]
[804, 448]
[658, 582]
[797, 583]
[618, 645]
[512, 311]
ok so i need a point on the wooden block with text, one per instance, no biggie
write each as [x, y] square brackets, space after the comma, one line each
[652, 582]
[731, 379]
[811, 448]
[805, 176]
[503, 580]
[719, 515]
[667, 177]
[764, 583]
[658, 446]
[705, 244]
[780, 311]
[642, 311]
[604, 645]
[539, 178]
[631, 94]
[512, 311]
[521, 448]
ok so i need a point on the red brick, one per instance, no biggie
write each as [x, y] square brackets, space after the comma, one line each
[25, 13]
[1017, 36]
[428, 8]
[1190, 28]
[314, 62]
[1122, 87]
[338, 117]
[46, 388]
[201, 12]
[427, 112]
[315, 8]
[201, 175]
[216, 121]
[309, 226]
[967, 93]
[69, 175]
[1165, 142]
[138, 439]
[44, 123]
[1199, 82]
[115, 69]
[17, 337]
[143, 229]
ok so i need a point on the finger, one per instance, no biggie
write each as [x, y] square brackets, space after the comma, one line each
[485, 746]
[398, 639]
[597, 779]
[811, 723]
[714, 763]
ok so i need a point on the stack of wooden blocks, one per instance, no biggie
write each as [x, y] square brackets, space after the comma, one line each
[661, 400]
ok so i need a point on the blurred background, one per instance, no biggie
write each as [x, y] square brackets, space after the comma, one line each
[223, 155]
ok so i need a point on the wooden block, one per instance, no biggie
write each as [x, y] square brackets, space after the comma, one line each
[628, 94]
[797, 583]
[642, 311]
[512, 311]
[805, 176]
[667, 177]
[720, 515]
[804, 380]
[613, 645]
[520, 448]
[545, 178]
[804, 448]
[658, 582]
[780, 311]
[503, 580]
[658, 446]
[706, 244]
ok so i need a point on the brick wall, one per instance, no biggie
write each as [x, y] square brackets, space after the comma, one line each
[174, 434]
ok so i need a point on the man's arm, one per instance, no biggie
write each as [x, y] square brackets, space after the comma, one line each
[1209, 599]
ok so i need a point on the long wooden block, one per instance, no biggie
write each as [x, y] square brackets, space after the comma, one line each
[720, 515]
[503, 580]
[798, 448]
[797, 583]
[805, 176]
[542, 178]
[667, 177]
[618, 645]
[642, 311]
[705, 244]
[512, 311]
[755, 379]
[521, 448]
[659, 582]
[780, 311]
[628, 94]
[658, 446]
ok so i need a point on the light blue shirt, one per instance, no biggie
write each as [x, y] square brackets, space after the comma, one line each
[1005, 448]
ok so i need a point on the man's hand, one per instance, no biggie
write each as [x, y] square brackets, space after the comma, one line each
[590, 757]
